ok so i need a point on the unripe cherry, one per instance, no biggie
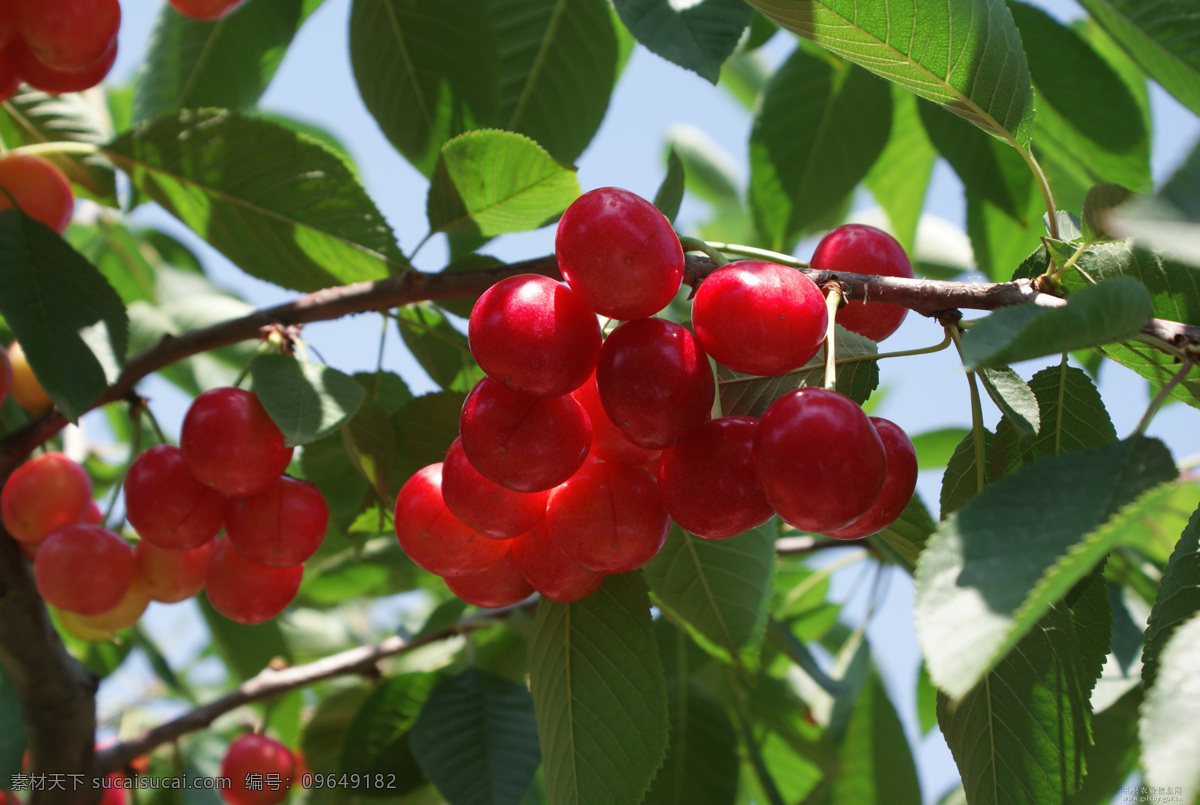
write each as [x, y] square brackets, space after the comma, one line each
[166, 505]
[126, 613]
[708, 483]
[45, 493]
[862, 249]
[500, 585]
[898, 486]
[609, 442]
[26, 390]
[231, 444]
[281, 526]
[258, 755]
[434, 538]
[84, 569]
[548, 568]
[534, 335]
[485, 505]
[171, 576]
[247, 592]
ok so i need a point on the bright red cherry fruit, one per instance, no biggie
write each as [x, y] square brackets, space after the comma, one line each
[206, 9]
[247, 592]
[171, 576]
[548, 568]
[898, 486]
[434, 538]
[759, 318]
[862, 249]
[84, 569]
[485, 505]
[609, 442]
[9, 79]
[500, 585]
[257, 755]
[708, 483]
[282, 526]
[48, 79]
[230, 443]
[608, 518]
[619, 253]
[534, 335]
[68, 34]
[654, 381]
[45, 493]
[522, 442]
[166, 505]
[819, 459]
[39, 188]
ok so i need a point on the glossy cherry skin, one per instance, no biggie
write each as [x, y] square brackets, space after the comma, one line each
[258, 755]
[434, 538]
[898, 486]
[166, 505]
[282, 526]
[171, 576]
[247, 592]
[619, 253]
[500, 585]
[485, 505]
[230, 443]
[206, 9]
[126, 613]
[548, 568]
[40, 189]
[608, 518]
[10, 80]
[862, 249]
[26, 390]
[84, 569]
[68, 34]
[819, 459]
[609, 442]
[759, 318]
[654, 381]
[48, 79]
[45, 493]
[707, 480]
[522, 442]
[534, 335]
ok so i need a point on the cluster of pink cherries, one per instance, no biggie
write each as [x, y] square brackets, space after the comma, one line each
[576, 451]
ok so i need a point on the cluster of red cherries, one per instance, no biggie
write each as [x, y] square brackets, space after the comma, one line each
[576, 451]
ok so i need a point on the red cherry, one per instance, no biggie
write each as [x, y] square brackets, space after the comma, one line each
[39, 188]
[9, 79]
[534, 335]
[255, 757]
[114, 789]
[84, 569]
[654, 381]
[707, 480]
[281, 526]
[551, 572]
[759, 318]
[171, 576]
[45, 493]
[608, 518]
[247, 592]
[230, 443]
[608, 441]
[166, 505]
[126, 613]
[522, 442]
[92, 514]
[898, 486]
[484, 505]
[434, 538]
[500, 585]
[619, 253]
[8, 29]
[819, 459]
[47, 79]
[68, 34]
[862, 249]
[206, 9]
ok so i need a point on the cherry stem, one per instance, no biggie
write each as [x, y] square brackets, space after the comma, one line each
[765, 254]
[1161, 397]
[833, 300]
[976, 413]
[697, 245]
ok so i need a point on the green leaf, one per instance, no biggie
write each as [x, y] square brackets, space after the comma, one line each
[1114, 753]
[1178, 598]
[245, 649]
[1161, 37]
[935, 447]
[1170, 725]
[477, 740]
[222, 64]
[371, 442]
[698, 37]
[69, 320]
[717, 590]
[442, 351]
[875, 761]
[711, 172]
[1000, 240]
[488, 183]
[328, 464]
[992, 570]
[909, 532]
[279, 205]
[1014, 398]
[306, 400]
[13, 739]
[977, 70]
[900, 176]
[1101, 200]
[425, 428]
[926, 701]
[1173, 286]
[670, 192]
[822, 125]
[327, 731]
[119, 254]
[599, 695]
[745, 76]
[701, 764]
[961, 480]
[751, 395]
[1094, 316]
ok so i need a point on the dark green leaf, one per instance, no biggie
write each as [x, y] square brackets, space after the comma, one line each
[1174, 287]
[424, 428]
[69, 320]
[12, 739]
[711, 172]
[908, 533]
[314, 132]
[670, 192]
[745, 75]
[306, 400]
[245, 649]
[822, 124]
[926, 701]
[327, 730]
[1014, 399]
[699, 36]
[279, 205]
[1170, 725]
[378, 738]
[371, 442]
[599, 694]
[388, 389]
[223, 64]
[1178, 597]
[900, 176]
[441, 350]
[993, 569]
[1099, 202]
[477, 740]
[328, 464]
[1000, 240]
[875, 761]
[701, 765]
[1114, 754]
[119, 254]
[935, 447]
[962, 480]
[786, 641]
